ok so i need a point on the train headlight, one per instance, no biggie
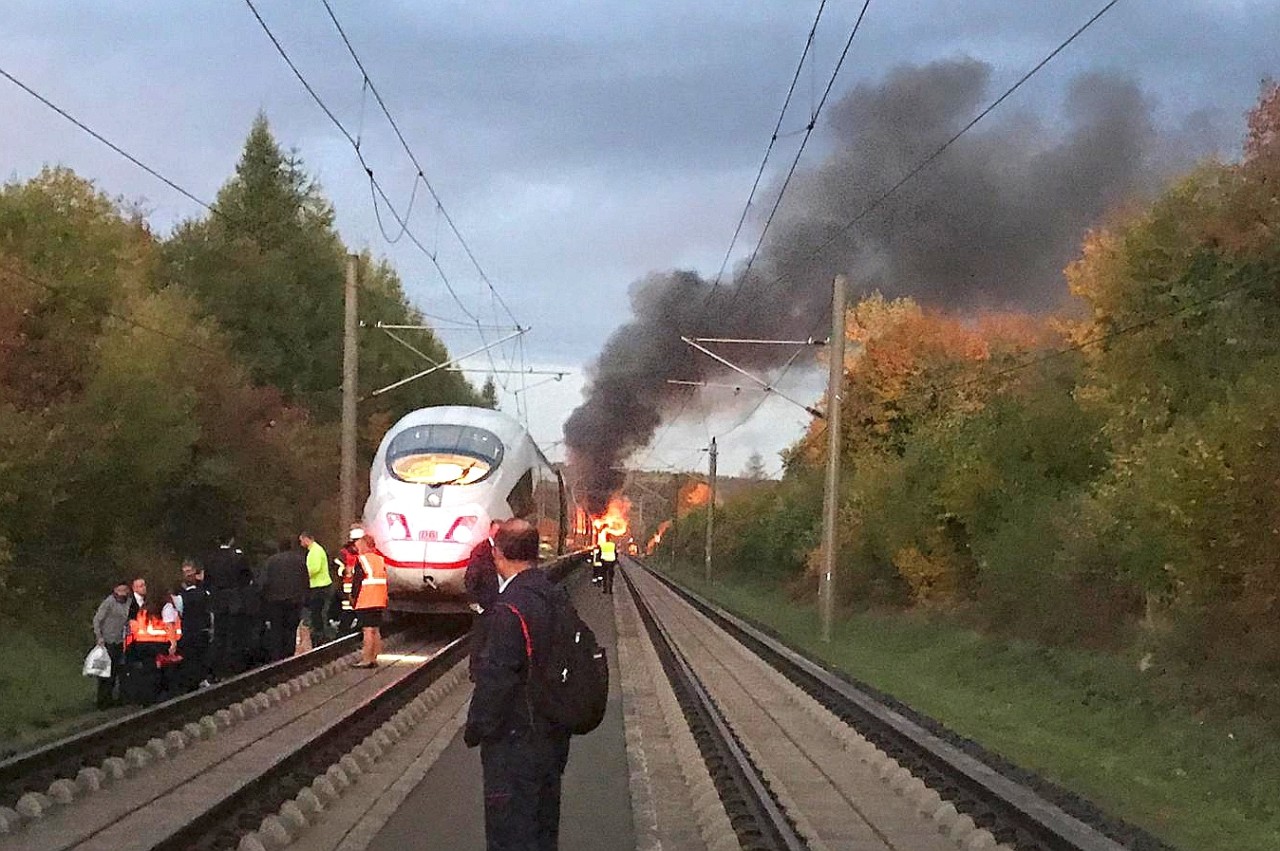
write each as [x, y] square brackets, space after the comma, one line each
[397, 527]
[462, 530]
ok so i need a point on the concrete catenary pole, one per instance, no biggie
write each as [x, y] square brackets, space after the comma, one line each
[350, 375]
[831, 494]
[711, 508]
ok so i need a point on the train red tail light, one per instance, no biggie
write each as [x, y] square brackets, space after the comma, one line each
[462, 530]
[398, 527]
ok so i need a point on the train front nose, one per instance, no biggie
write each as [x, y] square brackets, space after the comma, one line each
[426, 552]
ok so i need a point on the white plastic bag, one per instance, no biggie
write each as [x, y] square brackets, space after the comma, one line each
[98, 663]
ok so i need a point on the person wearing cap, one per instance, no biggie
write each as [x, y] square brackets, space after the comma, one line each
[369, 585]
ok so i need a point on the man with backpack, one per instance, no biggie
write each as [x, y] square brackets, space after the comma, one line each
[520, 716]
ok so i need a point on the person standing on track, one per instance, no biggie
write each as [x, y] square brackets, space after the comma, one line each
[345, 599]
[197, 627]
[109, 625]
[522, 756]
[608, 562]
[369, 586]
[230, 581]
[320, 587]
[283, 584]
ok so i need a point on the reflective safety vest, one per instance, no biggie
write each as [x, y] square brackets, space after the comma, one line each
[145, 628]
[608, 551]
[373, 586]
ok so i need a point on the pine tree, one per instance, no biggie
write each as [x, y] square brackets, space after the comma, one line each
[489, 394]
[755, 468]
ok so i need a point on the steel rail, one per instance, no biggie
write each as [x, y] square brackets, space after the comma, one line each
[220, 827]
[222, 824]
[1012, 810]
[34, 770]
[758, 820]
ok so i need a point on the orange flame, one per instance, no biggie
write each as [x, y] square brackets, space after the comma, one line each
[613, 523]
[657, 536]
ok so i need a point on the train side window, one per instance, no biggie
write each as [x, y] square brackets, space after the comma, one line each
[521, 497]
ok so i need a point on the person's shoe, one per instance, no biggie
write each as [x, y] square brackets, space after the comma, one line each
[206, 684]
[364, 664]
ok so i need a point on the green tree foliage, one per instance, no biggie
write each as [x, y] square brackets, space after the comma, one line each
[1123, 490]
[157, 393]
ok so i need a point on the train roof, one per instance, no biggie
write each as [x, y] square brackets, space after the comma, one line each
[502, 426]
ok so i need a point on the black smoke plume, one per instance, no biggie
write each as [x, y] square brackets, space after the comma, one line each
[989, 225]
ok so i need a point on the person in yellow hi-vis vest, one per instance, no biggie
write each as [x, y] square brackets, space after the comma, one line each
[608, 561]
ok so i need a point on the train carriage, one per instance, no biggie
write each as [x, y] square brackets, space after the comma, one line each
[439, 477]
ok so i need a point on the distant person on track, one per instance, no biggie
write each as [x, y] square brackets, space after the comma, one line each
[608, 562]
[283, 585]
[345, 599]
[110, 623]
[369, 585]
[230, 581]
[197, 627]
[320, 587]
[522, 757]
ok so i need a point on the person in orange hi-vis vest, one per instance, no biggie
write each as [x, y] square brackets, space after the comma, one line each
[370, 589]
[152, 634]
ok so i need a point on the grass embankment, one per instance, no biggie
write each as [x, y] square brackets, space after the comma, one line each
[42, 691]
[1089, 722]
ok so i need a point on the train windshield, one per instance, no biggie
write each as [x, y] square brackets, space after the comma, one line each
[443, 454]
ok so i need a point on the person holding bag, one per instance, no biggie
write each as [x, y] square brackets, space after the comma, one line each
[109, 625]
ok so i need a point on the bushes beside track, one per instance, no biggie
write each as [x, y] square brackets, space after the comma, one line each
[1105, 478]
[158, 391]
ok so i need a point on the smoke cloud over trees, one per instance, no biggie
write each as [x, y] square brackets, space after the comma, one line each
[989, 225]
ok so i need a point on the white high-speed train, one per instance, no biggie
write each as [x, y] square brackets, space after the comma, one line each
[439, 477]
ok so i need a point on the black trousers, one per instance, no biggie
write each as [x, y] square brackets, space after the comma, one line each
[318, 613]
[606, 573]
[283, 617]
[144, 683]
[194, 649]
[522, 773]
[230, 643]
[107, 685]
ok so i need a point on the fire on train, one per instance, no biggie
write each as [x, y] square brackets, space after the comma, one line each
[439, 477]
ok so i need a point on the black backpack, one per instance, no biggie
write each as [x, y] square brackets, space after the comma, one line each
[569, 688]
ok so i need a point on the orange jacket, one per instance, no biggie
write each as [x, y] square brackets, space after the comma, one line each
[373, 585]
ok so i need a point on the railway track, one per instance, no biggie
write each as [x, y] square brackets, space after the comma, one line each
[32, 773]
[798, 725]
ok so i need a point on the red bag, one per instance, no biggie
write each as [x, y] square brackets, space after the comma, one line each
[166, 660]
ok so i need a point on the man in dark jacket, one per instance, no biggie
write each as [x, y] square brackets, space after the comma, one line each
[522, 757]
[197, 627]
[284, 585]
[229, 579]
[481, 578]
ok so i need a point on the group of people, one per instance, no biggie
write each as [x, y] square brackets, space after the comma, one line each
[221, 619]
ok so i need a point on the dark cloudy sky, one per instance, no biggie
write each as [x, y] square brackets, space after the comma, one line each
[579, 146]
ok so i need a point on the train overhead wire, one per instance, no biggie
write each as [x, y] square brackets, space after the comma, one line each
[808, 131]
[937, 152]
[377, 186]
[773, 140]
[441, 212]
